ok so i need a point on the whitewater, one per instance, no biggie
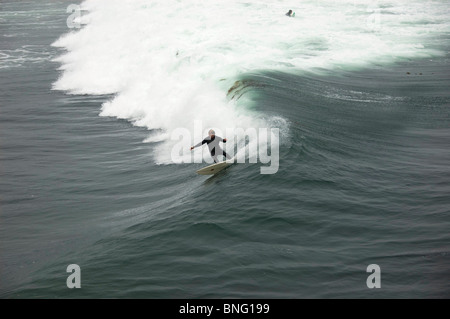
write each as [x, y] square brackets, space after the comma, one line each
[170, 64]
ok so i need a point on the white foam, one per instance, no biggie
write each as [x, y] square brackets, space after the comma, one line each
[166, 60]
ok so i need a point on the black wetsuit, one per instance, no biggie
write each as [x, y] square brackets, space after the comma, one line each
[214, 148]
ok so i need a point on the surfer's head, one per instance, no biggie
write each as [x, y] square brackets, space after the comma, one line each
[211, 133]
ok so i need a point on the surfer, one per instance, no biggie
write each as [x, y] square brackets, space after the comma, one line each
[290, 13]
[213, 144]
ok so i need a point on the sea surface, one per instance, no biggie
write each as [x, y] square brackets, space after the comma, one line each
[92, 96]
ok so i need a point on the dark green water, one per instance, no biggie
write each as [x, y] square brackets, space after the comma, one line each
[364, 179]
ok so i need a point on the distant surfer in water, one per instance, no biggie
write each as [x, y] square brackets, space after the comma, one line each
[213, 144]
[290, 13]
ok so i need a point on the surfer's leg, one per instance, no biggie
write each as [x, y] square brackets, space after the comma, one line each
[226, 155]
[214, 156]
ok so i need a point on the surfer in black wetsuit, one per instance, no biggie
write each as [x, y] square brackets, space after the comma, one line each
[213, 144]
[290, 13]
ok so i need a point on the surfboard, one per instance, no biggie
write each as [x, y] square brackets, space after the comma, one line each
[215, 168]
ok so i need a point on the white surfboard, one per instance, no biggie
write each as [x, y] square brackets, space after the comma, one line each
[215, 168]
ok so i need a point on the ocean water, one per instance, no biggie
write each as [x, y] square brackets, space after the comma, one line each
[359, 91]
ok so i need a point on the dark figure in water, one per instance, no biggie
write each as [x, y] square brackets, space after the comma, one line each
[290, 13]
[213, 144]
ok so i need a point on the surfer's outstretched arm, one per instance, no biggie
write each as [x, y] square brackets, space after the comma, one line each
[198, 144]
[210, 140]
